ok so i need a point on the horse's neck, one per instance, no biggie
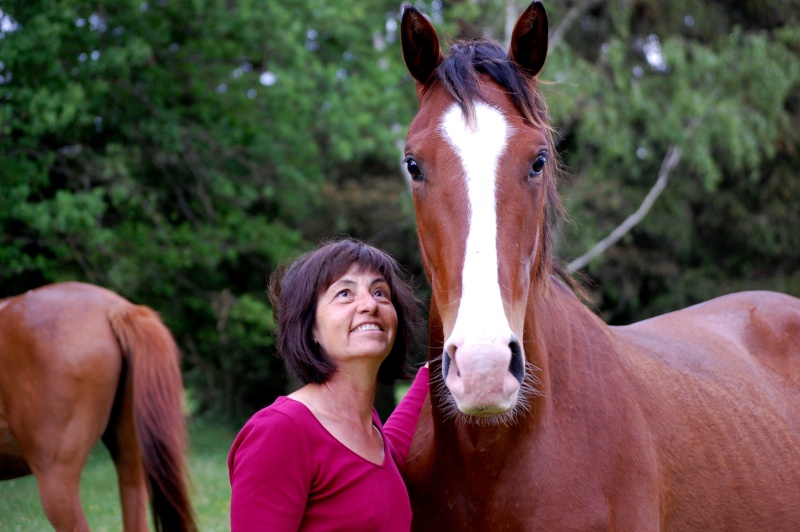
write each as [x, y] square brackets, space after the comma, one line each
[565, 337]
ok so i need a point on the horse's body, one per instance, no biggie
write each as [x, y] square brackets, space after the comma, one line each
[546, 418]
[79, 363]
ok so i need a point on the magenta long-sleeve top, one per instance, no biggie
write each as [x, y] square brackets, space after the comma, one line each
[288, 472]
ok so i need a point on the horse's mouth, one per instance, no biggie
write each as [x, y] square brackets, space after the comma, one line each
[489, 416]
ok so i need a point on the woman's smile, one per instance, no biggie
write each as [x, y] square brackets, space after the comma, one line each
[367, 327]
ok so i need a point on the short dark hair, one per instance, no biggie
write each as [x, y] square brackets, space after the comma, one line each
[295, 287]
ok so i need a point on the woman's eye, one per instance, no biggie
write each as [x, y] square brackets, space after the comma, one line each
[381, 293]
[343, 293]
[413, 168]
[538, 166]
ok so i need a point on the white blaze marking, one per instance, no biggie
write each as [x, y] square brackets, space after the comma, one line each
[481, 316]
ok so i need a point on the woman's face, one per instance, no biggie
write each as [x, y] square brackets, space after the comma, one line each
[355, 317]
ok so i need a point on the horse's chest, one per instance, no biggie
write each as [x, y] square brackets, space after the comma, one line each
[541, 483]
[505, 500]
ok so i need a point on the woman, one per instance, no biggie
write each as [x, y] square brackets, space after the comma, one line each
[320, 459]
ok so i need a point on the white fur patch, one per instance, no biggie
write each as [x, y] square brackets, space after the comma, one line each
[481, 317]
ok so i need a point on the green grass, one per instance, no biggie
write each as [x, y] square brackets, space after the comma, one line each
[21, 511]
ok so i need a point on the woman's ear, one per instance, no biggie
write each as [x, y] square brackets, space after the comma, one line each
[314, 334]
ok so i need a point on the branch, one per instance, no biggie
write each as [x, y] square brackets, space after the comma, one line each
[671, 160]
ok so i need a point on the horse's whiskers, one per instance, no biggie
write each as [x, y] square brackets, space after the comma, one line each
[529, 389]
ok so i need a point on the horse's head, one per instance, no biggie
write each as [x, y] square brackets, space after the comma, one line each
[481, 159]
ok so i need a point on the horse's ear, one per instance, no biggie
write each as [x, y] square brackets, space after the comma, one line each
[529, 40]
[420, 44]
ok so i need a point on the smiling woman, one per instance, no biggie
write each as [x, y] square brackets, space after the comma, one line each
[355, 318]
[320, 457]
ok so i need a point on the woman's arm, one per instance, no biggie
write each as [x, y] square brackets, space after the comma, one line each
[399, 428]
[270, 475]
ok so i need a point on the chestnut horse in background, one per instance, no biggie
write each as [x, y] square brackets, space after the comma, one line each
[541, 416]
[79, 363]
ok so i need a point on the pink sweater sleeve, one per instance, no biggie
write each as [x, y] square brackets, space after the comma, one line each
[270, 475]
[399, 428]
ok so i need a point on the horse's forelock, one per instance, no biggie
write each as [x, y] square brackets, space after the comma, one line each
[459, 75]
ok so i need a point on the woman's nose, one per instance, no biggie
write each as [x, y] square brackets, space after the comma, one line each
[367, 303]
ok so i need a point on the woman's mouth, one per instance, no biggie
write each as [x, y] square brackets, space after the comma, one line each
[367, 327]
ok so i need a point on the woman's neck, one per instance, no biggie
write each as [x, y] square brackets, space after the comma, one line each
[349, 394]
[344, 406]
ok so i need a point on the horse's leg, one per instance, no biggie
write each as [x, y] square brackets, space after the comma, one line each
[59, 492]
[57, 430]
[131, 479]
[56, 448]
[55, 435]
[120, 439]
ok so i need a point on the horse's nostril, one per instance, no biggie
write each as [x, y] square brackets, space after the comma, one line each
[445, 364]
[516, 366]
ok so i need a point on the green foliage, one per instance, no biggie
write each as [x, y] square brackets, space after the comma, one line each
[175, 151]
[724, 99]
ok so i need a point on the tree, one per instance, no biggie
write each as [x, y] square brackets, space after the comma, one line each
[176, 151]
[713, 81]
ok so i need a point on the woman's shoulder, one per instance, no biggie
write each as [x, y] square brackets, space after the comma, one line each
[281, 405]
[284, 414]
[274, 443]
[285, 424]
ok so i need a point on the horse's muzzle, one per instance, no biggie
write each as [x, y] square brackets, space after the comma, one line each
[484, 376]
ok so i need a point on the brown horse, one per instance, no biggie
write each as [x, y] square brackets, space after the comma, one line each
[79, 363]
[544, 417]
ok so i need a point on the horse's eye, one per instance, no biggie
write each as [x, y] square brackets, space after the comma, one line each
[538, 166]
[413, 168]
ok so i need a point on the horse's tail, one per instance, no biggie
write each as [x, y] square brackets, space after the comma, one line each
[153, 362]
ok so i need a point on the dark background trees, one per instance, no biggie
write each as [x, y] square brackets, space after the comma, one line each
[176, 151]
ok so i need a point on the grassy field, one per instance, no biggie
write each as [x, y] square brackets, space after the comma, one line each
[19, 499]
